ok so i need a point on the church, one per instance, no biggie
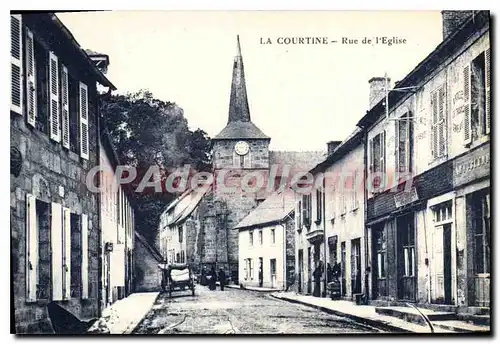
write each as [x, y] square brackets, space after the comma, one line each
[199, 227]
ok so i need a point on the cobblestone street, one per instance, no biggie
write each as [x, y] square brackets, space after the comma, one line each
[238, 311]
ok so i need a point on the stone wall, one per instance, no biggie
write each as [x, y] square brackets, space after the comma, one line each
[147, 275]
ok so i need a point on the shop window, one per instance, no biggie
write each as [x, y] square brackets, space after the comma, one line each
[481, 226]
[380, 249]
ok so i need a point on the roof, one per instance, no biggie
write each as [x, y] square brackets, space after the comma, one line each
[241, 130]
[445, 49]
[154, 251]
[297, 161]
[186, 204]
[274, 209]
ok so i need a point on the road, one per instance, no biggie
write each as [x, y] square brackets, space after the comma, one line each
[238, 311]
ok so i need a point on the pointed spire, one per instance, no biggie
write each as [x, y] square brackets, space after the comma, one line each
[238, 102]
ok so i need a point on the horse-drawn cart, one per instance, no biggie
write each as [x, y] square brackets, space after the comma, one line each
[176, 277]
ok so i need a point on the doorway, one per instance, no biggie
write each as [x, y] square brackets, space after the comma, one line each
[406, 269]
[261, 272]
[441, 290]
[301, 269]
[272, 268]
[379, 261]
[309, 270]
[356, 266]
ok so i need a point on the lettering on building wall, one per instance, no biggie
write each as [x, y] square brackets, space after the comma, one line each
[472, 166]
[405, 197]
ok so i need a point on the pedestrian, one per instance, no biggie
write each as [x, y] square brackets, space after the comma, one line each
[261, 276]
[222, 278]
[318, 272]
[213, 279]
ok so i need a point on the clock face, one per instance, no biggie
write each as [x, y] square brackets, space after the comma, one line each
[241, 148]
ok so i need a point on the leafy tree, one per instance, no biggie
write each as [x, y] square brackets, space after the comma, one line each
[146, 131]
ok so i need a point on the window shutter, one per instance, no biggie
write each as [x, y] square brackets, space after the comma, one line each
[434, 137]
[31, 78]
[85, 256]
[248, 160]
[382, 152]
[467, 106]
[65, 106]
[487, 64]
[441, 127]
[398, 145]
[31, 248]
[84, 121]
[372, 155]
[56, 240]
[55, 133]
[66, 254]
[16, 67]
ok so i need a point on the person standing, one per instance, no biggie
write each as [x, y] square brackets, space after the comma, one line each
[213, 279]
[222, 278]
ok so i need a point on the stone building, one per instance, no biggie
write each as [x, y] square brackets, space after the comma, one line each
[54, 129]
[266, 246]
[429, 235]
[147, 275]
[245, 171]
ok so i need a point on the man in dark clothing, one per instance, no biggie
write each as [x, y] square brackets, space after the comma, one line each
[317, 274]
[222, 278]
[213, 279]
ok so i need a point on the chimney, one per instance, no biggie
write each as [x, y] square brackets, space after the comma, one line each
[332, 145]
[377, 90]
[101, 61]
[452, 20]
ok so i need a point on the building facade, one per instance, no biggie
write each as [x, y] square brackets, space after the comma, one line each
[117, 225]
[55, 224]
[429, 222]
[147, 274]
[266, 243]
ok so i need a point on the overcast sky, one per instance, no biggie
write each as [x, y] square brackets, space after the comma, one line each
[300, 95]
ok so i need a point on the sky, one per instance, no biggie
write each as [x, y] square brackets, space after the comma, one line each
[302, 96]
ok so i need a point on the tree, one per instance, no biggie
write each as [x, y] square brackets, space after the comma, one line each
[146, 131]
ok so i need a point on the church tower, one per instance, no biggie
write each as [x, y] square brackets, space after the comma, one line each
[239, 149]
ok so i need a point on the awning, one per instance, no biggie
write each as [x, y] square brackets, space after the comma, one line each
[379, 220]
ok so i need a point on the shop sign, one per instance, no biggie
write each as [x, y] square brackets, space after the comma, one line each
[332, 240]
[405, 197]
[474, 165]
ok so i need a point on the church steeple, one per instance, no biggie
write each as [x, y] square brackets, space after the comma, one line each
[238, 103]
[239, 124]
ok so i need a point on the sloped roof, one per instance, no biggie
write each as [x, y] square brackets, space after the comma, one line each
[240, 130]
[274, 209]
[187, 204]
[154, 252]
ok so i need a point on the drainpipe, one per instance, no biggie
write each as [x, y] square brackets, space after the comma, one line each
[365, 213]
[100, 281]
[325, 265]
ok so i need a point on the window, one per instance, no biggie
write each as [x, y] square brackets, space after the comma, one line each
[250, 267]
[251, 237]
[42, 88]
[74, 117]
[76, 251]
[380, 249]
[43, 286]
[354, 191]
[177, 257]
[439, 142]
[306, 203]
[260, 237]
[477, 112]
[404, 143]
[406, 239]
[481, 224]
[377, 158]
[181, 234]
[443, 212]
[319, 205]
[273, 236]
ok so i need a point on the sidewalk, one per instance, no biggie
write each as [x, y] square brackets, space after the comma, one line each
[234, 286]
[361, 313]
[123, 316]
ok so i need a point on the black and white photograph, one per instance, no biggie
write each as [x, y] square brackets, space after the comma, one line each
[250, 172]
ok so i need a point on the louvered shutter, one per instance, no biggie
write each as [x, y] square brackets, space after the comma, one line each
[66, 254]
[84, 121]
[55, 132]
[487, 64]
[31, 248]
[31, 78]
[441, 127]
[16, 66]
[434, 119]
[372, 155]
[398, 146]
[65, 106]
[382, 152]
[85, 256]
[467, 106]
[56, 243]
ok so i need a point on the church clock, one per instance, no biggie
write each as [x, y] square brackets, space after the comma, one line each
[241, 148]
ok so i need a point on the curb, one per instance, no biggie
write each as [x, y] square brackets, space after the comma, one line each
[381, 325]
[131, 328]
[232, 286]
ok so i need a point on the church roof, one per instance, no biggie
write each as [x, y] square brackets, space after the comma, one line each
[239, 124]
[274, 209]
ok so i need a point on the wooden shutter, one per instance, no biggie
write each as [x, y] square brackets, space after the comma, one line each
[16, 66]
[56, 241]
[31, 78]
[372, 155]
[398, 145]
[66, 253]
[441, 126]
[382, 152]
[65, 106]
[84, 121]
[467, 106]
[55, 132]
[487, 64]
[31, 248]
[85, 256]
[434, 120]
